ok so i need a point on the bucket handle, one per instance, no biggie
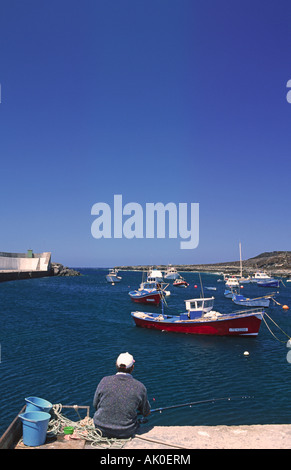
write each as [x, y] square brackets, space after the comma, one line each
[29, 401]
[30, 420]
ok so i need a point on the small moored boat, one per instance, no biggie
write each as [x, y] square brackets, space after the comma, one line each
[149, 293]
[232, 282]
[200, 319]
[260, 276]
[228, 293]
[180, 282]
[171, 273]
[255, 302]
[145, 297]
[112, 276]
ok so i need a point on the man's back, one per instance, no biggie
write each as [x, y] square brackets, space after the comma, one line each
[117, 400]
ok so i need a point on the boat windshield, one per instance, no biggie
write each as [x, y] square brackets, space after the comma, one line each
[208, 303]
[149, 285]
[200, 304]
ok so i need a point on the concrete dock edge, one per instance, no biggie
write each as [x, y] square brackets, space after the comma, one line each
[267, 436]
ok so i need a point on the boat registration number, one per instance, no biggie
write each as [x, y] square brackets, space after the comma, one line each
[238, 329]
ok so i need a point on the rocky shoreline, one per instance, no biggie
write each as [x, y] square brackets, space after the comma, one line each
[275, 263]
[61, 270]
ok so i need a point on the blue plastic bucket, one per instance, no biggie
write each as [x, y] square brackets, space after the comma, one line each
[37, 404]
[34, 424]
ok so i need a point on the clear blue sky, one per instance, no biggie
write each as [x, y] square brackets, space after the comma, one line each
[157, 100]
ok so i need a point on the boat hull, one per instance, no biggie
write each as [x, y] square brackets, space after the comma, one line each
[112, 279]
[171, 276]
[241, 300]
[271, 283]
[228, 294]
[247, 324]
[145, 298]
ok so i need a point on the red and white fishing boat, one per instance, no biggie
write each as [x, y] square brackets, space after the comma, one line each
[180, 282]
[148, 293]
[201, 319]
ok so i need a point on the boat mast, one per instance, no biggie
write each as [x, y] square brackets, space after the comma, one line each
[201, 286]
[240, 259]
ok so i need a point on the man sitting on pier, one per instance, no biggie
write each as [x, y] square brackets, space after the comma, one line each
[118, 399]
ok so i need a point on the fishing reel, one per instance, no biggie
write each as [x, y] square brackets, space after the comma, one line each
[142, 420]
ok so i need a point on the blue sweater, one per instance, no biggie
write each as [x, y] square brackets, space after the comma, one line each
[117, 400]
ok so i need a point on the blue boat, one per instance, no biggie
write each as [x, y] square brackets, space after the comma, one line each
[269, 283]
[228, 293]
[256, 302]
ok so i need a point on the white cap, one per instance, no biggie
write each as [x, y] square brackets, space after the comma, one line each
[125, 359]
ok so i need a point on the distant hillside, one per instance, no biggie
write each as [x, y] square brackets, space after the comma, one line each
[274, 262]
[271, 260]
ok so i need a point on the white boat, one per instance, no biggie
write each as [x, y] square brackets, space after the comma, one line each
[171, 273]
[150, 285]
[112, 276]
[154, 275]
[232, 282]
[260, 276]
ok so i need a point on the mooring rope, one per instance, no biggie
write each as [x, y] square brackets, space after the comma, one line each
[288, 336]
[83, 429]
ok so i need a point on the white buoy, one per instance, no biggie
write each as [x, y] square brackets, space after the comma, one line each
[246, 353]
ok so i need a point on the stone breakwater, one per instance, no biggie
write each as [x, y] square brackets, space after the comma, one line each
[61, 270]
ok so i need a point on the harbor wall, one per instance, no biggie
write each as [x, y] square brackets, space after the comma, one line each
[18, 275]
[25, 261]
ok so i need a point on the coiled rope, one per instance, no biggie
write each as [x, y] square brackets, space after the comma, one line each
[83, 429]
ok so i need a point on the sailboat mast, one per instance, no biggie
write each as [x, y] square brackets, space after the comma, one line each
[240, 260]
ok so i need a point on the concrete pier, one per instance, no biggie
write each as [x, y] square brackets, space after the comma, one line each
[183, 438]
[15, 266]
[268, 436]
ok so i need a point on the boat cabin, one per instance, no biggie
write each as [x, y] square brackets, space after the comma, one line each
[232, 282]
[197, 308]
[261, 276]
[152, 285]
[154, 275]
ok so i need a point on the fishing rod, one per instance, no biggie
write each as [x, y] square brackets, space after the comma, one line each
[212, 400]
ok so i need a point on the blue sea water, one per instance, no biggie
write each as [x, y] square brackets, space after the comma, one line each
[59, 336]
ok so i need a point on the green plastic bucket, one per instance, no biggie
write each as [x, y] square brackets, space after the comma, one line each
[35, 424]
[69, 430]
